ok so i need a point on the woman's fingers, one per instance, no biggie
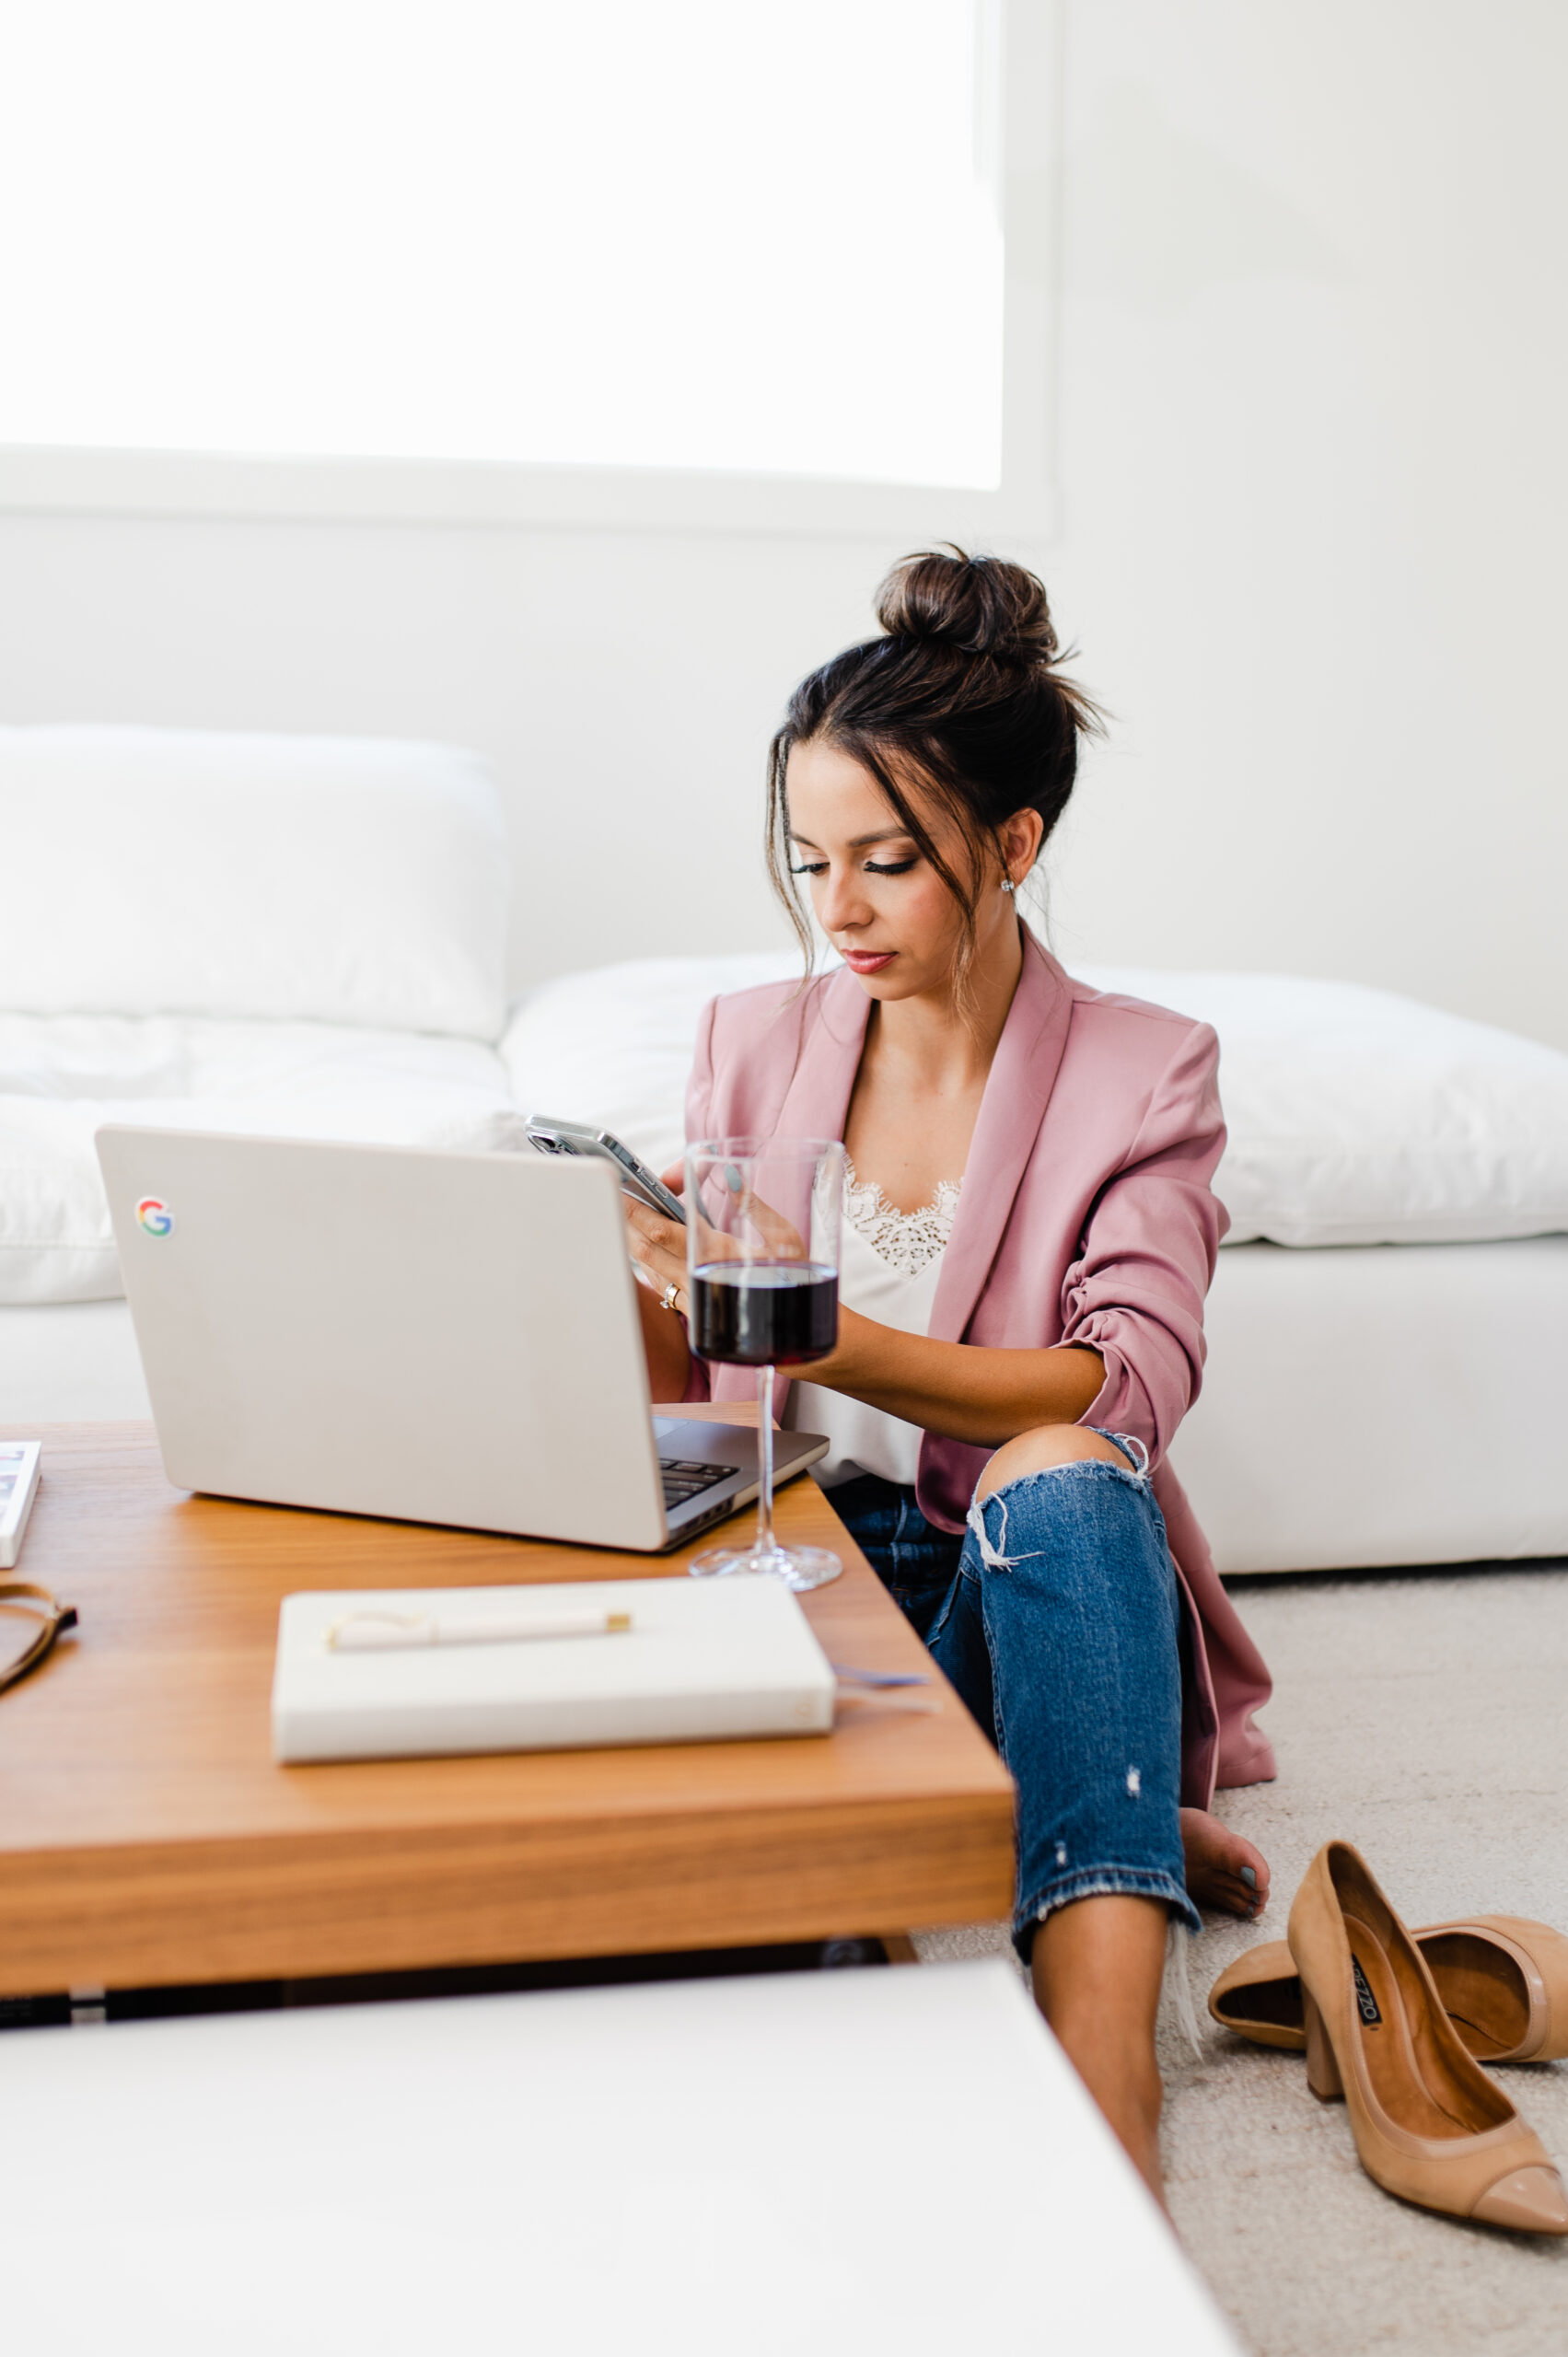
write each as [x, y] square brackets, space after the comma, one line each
[651, 1226]
[782, 1237]
[658, 1245]
[781, 1240]
[656, 1234]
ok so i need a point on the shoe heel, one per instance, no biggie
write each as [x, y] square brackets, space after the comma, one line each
[1322, 2071]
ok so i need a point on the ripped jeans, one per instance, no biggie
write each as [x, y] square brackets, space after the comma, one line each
[1056, 1617]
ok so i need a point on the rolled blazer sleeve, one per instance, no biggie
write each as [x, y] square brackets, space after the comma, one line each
[1135, 1293]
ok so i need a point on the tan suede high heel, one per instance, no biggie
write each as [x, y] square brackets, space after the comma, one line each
[1429, 2125]
[1502, 1981]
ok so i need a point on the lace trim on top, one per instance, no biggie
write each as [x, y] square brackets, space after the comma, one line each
[907, 1241]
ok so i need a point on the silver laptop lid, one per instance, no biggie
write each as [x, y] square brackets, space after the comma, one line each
[433, 1337]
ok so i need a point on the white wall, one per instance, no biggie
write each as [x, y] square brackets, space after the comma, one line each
[1315, 392]
[1312, 383]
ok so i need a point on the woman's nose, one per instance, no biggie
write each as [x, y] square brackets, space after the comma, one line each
[841, 903]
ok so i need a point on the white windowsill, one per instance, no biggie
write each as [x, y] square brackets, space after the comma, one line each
[414, 491]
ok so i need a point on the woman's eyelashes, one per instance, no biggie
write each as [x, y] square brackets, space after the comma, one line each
[872, 866]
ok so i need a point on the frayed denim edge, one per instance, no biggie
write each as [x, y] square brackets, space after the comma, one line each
[1102, 1882]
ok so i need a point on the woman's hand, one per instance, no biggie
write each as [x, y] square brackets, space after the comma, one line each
[658, 1245]
[658, 1251]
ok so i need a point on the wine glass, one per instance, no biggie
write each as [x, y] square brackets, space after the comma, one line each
[763, 1275]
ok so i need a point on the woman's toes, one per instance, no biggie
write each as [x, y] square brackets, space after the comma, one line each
[1223, 1869]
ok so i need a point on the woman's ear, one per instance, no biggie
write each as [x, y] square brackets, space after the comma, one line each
[1021, 836]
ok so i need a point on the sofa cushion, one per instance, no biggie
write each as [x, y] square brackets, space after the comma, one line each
[1360, 1117]
[61, 1077]
[330, 879]
[1356, 1116]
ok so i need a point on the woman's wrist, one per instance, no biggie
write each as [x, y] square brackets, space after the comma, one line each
[665, 1345]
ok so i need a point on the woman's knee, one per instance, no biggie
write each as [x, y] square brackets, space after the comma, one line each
[1047, 1445]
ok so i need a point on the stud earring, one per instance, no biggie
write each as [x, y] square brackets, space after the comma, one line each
[1008, 884]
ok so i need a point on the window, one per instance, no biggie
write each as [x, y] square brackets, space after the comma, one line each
[640, 261]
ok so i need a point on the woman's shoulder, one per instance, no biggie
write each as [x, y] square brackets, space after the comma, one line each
[760, 1001]
[1118, 997]
[1127, 1059]
[1109, 1018]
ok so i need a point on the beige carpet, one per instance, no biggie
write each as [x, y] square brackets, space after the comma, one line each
[1424, 1717]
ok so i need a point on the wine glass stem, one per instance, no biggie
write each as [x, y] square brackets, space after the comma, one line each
[766, 1543]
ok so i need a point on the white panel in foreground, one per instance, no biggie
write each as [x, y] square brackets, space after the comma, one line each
[820, 2162]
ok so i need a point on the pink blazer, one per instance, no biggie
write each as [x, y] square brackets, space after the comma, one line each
[1087, 1215]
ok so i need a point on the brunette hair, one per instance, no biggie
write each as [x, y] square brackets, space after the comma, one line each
[960, 701]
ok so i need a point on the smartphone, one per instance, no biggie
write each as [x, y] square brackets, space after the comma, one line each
[550, 1136]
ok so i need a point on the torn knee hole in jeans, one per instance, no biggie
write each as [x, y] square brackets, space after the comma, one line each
[995, 1559]
[992, 1557]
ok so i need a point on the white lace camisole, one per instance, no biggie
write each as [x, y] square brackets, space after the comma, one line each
[888, 1265]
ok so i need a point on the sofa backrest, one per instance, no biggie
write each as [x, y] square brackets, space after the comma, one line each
[343, 880]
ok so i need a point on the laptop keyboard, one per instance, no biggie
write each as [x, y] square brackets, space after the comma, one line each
[687, 1478]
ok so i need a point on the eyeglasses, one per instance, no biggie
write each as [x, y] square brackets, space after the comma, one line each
[54, 1618]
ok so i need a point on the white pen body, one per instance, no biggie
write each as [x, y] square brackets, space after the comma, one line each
[376, 1632]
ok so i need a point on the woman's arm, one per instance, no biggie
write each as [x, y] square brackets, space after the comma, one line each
[961, 1391]
[958, 1389]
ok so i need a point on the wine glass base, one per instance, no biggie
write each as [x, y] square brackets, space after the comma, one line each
[801, 1568]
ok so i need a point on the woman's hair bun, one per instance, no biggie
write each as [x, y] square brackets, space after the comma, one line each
[979, 605]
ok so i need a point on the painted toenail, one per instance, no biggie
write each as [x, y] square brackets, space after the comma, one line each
[1249, 1876]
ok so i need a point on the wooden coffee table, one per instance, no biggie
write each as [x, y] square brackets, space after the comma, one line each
[147, 1837]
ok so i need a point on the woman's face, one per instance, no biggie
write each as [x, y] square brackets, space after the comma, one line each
[883, 907]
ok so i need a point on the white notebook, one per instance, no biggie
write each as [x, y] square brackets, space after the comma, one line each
[19, 1462]
[704, 1661]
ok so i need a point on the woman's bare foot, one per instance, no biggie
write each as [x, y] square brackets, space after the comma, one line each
[1218, 1864]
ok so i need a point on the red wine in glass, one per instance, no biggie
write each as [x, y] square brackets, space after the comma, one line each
[762, 1281]
[764, 1316]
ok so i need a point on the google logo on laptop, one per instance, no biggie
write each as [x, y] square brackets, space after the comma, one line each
[155, 1216]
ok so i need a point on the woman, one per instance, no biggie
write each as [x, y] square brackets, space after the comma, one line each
[1029, 1234]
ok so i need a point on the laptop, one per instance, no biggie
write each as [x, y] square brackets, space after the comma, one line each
[429, 1336]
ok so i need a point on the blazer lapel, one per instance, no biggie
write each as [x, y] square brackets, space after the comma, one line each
[1029, 1056]
[815, 1103]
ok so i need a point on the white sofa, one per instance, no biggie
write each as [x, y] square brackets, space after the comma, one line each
[309, 936]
